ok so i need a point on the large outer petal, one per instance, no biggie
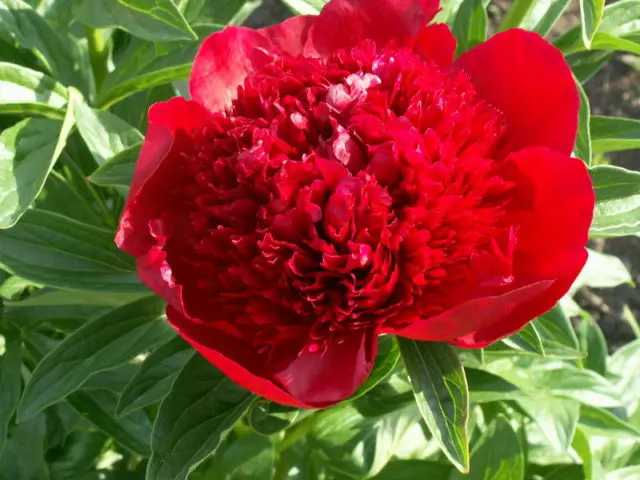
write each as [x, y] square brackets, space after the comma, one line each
[166, 121]
[552, 210]
[344, 23]
[436, 43]
[528, 79]
[312, 380]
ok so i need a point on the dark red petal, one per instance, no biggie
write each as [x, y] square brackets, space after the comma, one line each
[528, 79]
[344, 23]
[222, 63]
[436, 43]
[312, 380]
[166, 120]
[293, 36]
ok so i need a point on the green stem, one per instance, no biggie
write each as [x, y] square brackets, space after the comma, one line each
[98, 54]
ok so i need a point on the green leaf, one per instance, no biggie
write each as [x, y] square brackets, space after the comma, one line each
[79, 454]
[486, 387]
[626, 473]
[602, 271]
[498, 454]
[600, 422]
[581, 445]
[104, 343]
[617, 201]
[145, 65]
[269, 418]
[27, 92]
[441, 392]
[57, 251]
[23, 457]
[305, 7]
[414, 469]
[623, 368]
[470, 25]
[104, 133]
[586, 64]
[386, 361]
[557, 334]
[194, 418]
[582, 148]
[251, 456]
[591, 12]
[149, 19]
[10, 381]
[593, 343]
[543, 15]
[527, 339]
[556, 418]
[516, 14]
[20, 24]
[132, 432]
[155, 377]
[216, 14]
[612, 134]
[118, 170]
[28, 152]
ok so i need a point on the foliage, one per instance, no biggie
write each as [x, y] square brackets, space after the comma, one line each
[95, 385]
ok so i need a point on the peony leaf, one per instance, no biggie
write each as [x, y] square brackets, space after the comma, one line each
[582, 148]
[28, 152]
[442, 395]
[414, 469]
[617, 201]
[216, 14]
[594, 345]
[581, 446]
[27, 92]
[470, 25]
[101, 344]
[555, 417]
[557, 334]
[270, 418]
[542, 15]
[305, 7]
[497, 455]
[611, 134]
[118, 170]
[203, 405]
[155, 377]
[153, 20]
[586, 64]
[600, 422]
[516, 14]
[49, 249]
[10, 380]
[386, 361]
[591, 12]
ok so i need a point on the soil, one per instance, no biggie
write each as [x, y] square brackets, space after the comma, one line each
[615, 91]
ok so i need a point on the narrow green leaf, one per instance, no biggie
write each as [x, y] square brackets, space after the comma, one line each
[10, 381]
[442, 395]
[305, 7]
[53, 250]
[617, 201]
[591, 12]
[28, 152]
[251, 456]
[23, 457]
[612, 134]
[27, 92]
[415, 469]
[104, 343]
[118, 170]
[600, 422]
[194, 418]
[593, 343]
[156, 376]
[582, 148]
[145, 65]
[556, 418]
[269, 418]
[229, 12]
[104, 133]
[486, 387]
[132, 432]
[602, 271]
[557, 334]
[581, 445]
[527, 339]
[149, 19]
[625, 473]
[586, 64]
[470, 25]
[516, 14]
[498, 454]
[386, 361]
[543, 15]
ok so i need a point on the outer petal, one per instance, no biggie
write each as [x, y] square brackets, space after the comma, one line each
[167, 121]
[293, 36]
[312, 380]
[552, 210]
[436, 43]
[528, 79]
[225, 59]
[344, 23]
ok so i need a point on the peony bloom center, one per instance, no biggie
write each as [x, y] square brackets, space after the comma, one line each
[357, 191]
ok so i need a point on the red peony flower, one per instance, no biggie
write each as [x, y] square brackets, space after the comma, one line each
[339, 177]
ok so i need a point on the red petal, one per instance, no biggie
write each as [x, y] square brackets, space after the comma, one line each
[293, 36]
[344, 23]
[312, 380]
[166, 120]
[436, 43]
[528, 79]
[224, 60]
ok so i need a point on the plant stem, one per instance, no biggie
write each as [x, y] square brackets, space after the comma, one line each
[98, 54]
